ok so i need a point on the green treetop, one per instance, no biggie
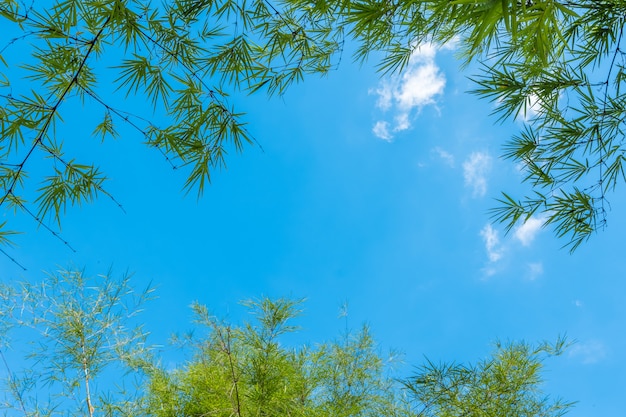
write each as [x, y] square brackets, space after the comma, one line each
[72, 346]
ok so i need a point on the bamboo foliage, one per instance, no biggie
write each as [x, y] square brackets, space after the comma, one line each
[182, 57]
[246, 371]
[558, 65]
[79, 329]
[72, 346]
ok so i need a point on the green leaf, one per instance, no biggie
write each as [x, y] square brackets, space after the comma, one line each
[105, 127]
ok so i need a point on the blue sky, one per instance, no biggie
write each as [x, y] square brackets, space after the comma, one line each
[368, 191]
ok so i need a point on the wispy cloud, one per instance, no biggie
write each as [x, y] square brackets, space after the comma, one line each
[535, 270]
[527, 232]
[381, 130]
[406, 94]
[492, 243]
[475, 170]
[589, 352]
[446, 156]
[498, 249]
[493, 248]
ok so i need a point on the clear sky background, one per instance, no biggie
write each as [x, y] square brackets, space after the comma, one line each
[368, 191]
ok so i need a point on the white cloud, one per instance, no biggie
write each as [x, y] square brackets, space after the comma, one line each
[420, 84]
[416, 87]
[402, 122]
[527, 232]
[381, 130]
[492, 243]
[447, 157]
[475, 170]
[589, 352]
[385, 95]
[535, 270]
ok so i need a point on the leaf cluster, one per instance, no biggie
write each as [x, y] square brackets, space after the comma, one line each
[182, 57]
[506, 384]
[245, 370]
